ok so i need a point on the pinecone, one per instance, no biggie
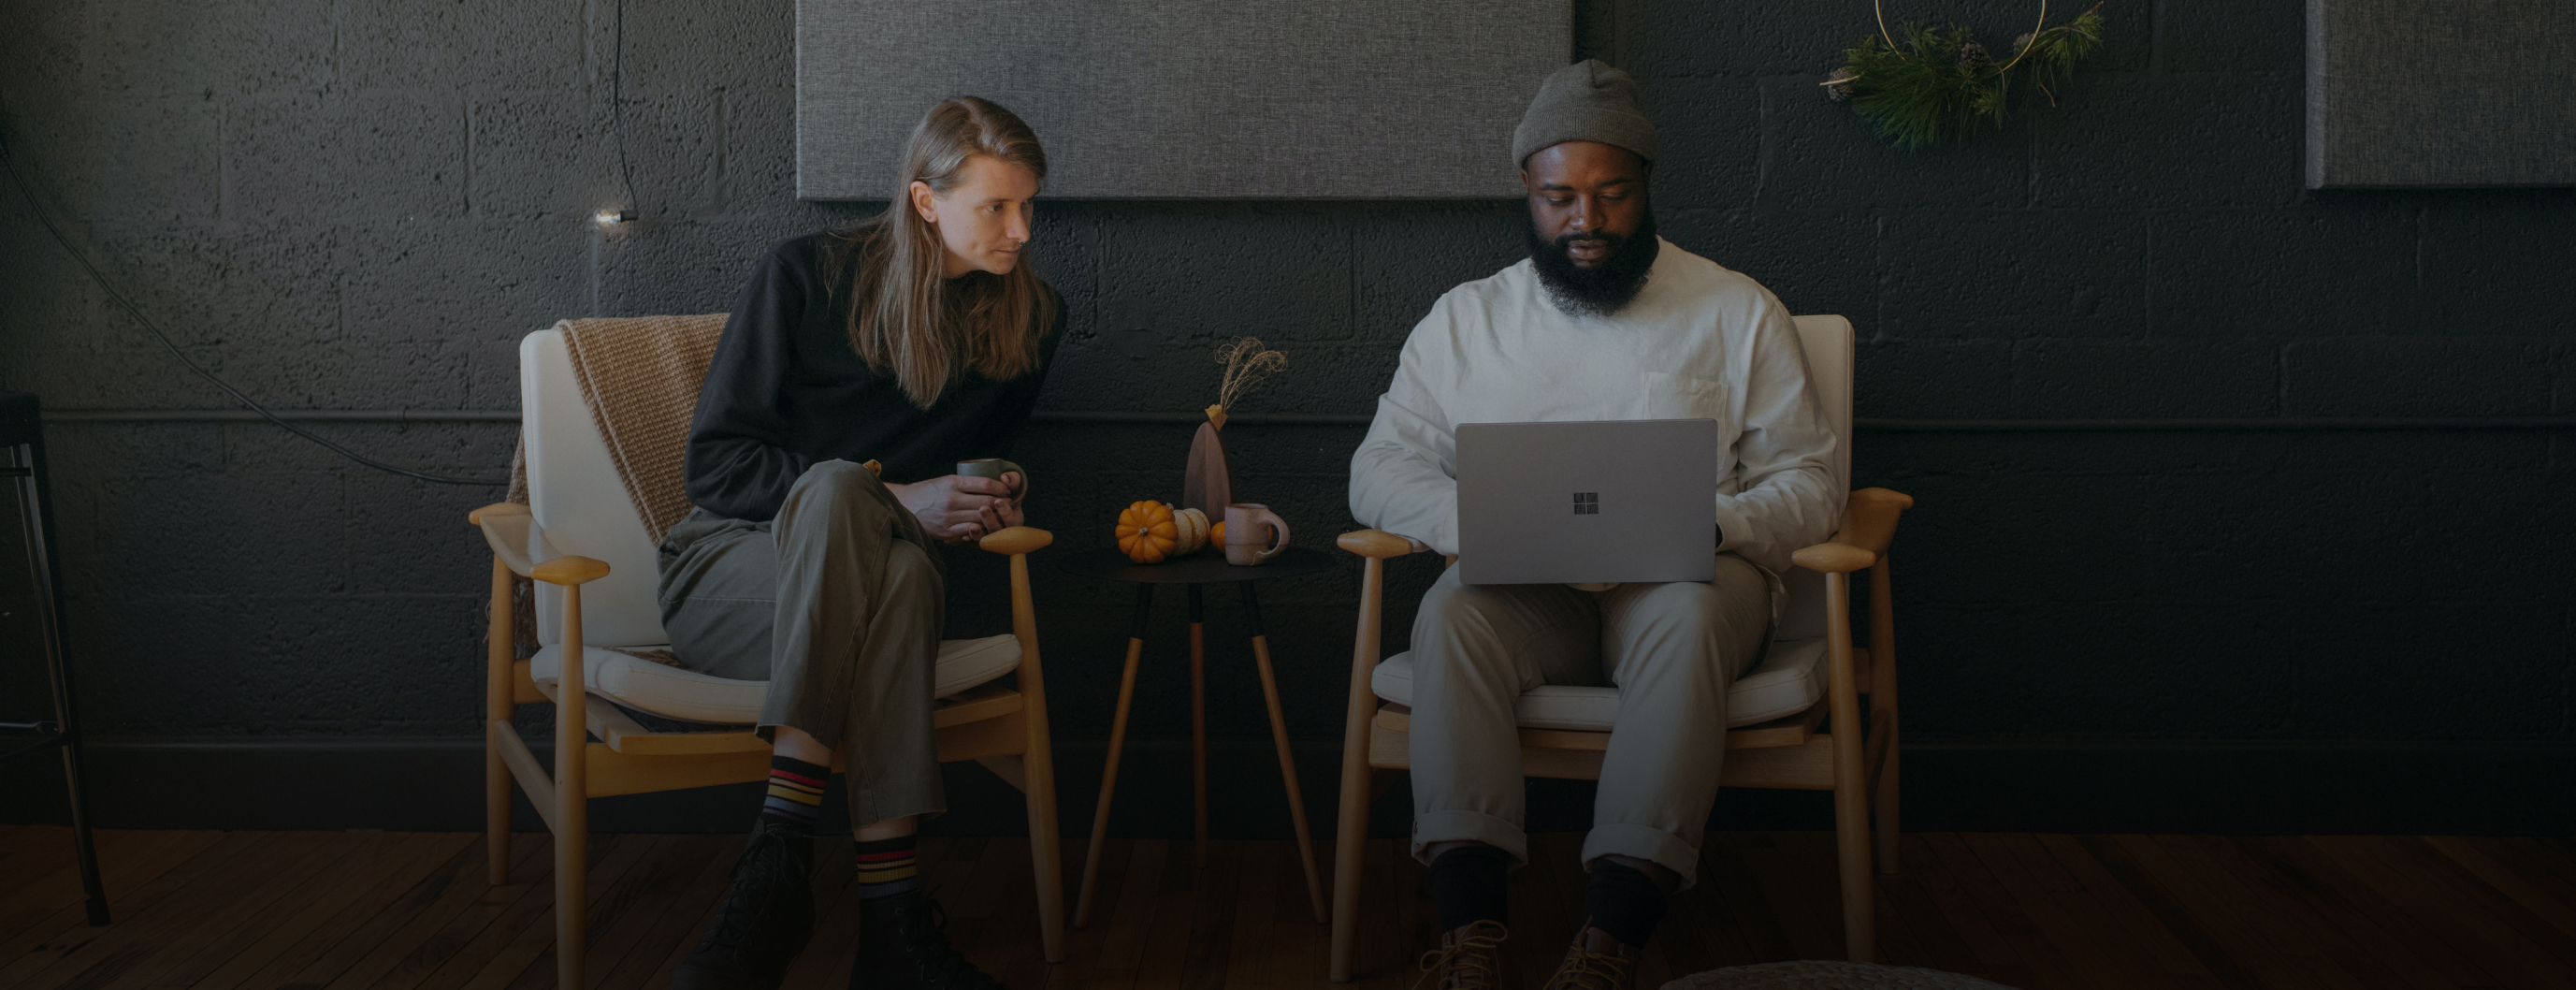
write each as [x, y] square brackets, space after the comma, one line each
[1838, 83]
[1973, 55]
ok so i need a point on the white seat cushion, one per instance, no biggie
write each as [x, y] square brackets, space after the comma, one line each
[1786, 682]
[694, 697]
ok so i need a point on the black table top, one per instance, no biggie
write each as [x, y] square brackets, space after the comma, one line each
[1199, 568]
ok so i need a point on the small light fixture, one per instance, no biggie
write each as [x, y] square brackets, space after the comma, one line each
[612, 218]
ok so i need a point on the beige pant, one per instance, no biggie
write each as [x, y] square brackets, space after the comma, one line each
[1672, 650]
[838, 603]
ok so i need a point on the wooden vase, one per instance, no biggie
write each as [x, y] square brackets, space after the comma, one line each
[1207, 482]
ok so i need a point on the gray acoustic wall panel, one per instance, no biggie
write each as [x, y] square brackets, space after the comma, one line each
[1187, 99]
[2441, 93]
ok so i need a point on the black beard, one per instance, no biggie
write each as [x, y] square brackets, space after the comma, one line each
[1600, 290]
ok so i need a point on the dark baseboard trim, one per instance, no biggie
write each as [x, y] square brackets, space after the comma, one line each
[2205, 787]
[396, 416]
[2263, 424]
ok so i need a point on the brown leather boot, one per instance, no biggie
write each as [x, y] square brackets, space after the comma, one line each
[1470, 958]
[1596, 962]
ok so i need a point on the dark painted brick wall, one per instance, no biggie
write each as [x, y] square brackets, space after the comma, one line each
[364, 205]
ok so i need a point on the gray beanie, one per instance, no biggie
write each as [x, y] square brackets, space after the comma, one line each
[1586, 101]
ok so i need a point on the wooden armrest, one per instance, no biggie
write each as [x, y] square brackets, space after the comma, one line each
[1016, 540]
[570, 570]
[1379, 543]
[495, 511]
[1834, 558]
[1869, 525]
[1869, 519]
[512, 533]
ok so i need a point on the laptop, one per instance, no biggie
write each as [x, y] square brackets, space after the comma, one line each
[1575, 503]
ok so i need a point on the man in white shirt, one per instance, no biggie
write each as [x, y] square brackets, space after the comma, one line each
[1604, 321]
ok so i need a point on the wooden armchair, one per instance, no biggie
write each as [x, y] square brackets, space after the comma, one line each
[1789, 728]
[578, 504]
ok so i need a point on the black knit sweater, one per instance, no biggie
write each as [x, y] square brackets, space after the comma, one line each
[785, 391]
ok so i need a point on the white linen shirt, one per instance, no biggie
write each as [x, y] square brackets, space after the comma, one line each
[1698, 342]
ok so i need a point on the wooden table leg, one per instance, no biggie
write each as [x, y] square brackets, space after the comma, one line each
[1117, 742]
[1287, 761]
[1198, 730]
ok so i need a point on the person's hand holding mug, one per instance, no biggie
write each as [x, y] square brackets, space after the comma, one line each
[983, 496]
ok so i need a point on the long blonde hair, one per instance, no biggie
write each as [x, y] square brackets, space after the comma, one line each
[905, 316]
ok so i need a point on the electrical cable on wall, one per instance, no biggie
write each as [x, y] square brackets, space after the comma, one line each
[617, 122]
[9, 160]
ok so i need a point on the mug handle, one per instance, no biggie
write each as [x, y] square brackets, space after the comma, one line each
[1022, 492]
[1278, 534]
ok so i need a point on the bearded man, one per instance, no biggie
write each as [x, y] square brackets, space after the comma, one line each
[1604, 321]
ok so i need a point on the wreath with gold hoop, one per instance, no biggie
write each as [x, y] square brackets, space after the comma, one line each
[1940, 86]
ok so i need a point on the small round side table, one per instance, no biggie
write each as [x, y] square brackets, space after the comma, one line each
[1194, 572]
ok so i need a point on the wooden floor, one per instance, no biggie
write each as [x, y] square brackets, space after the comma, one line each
[410, 911]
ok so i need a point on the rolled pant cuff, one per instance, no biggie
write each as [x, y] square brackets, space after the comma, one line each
[1650, 844]
[1469, 826]
[869, 809]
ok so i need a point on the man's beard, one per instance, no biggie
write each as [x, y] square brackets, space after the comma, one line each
[1604, 288]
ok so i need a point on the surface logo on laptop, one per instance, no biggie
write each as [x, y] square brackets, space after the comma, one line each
[1587, 503]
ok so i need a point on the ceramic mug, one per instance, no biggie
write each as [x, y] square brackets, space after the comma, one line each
[1253, 534]
[995, 468]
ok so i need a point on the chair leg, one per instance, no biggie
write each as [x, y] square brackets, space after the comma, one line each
[1851, 840]
[497, 709]
[572, 807]
[1046, 846]
[1851, 777]
[496, 808]
[1046, 850]
[1882, 655]
[1883, 804]
[1350, 830]
[1350, 847]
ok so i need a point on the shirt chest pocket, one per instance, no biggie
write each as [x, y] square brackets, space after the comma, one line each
[1665, 396]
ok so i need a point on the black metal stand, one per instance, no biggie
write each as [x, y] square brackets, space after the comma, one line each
[22, 433]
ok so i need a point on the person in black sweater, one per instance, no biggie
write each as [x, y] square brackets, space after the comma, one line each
[915, 339]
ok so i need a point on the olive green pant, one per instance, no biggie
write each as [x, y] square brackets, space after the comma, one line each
[1672, 650]
[838, 603]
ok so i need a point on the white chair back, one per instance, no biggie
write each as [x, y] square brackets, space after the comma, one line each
[1828, 343]
[581, 507]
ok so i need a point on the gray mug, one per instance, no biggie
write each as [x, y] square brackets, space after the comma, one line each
[1253, 534]
[995, 468]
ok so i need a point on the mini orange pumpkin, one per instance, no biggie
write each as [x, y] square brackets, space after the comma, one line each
[1146, 533]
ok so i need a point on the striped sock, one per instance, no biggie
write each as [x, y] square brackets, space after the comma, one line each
[886, 868]
[795, 792]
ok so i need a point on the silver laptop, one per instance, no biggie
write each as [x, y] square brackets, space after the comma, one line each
[1573, 503]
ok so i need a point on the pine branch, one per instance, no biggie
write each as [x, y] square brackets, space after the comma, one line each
[1939, 86]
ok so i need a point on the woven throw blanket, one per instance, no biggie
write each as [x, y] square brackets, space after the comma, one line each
[639, 377]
